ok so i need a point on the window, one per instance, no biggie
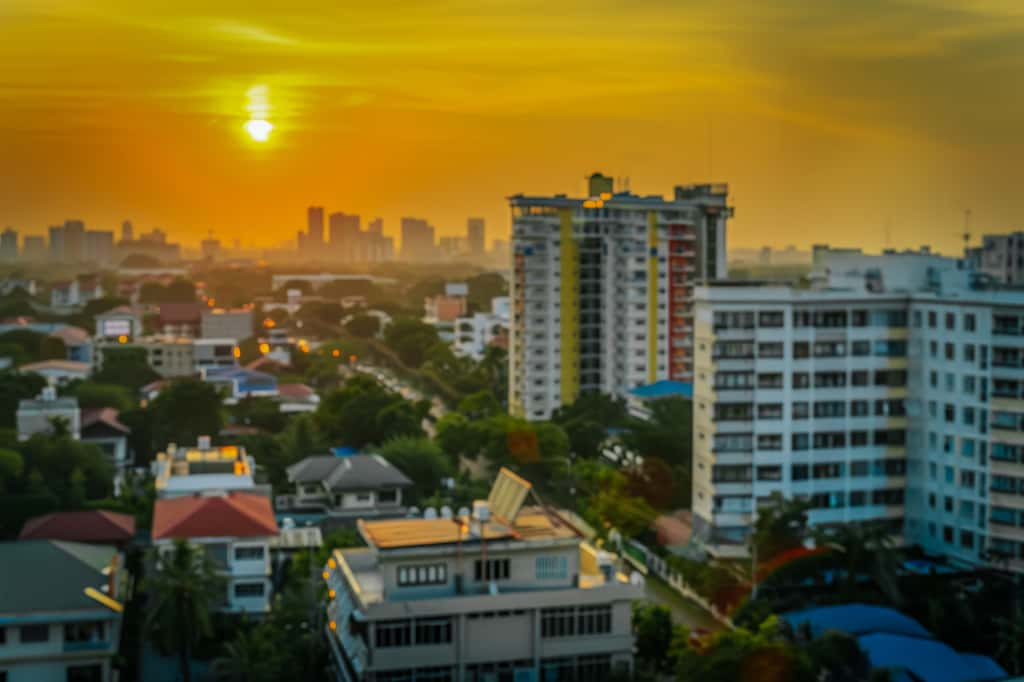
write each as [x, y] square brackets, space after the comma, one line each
[248, 553]
[769, 380]
[769, 350]
[859, 468]
[243, 590]
[551, 567]
[490, 569]
[769, 411]
[731, 473]
[390, 633]
[594, 667]
[387, 496]
[801, 441]
[830, 470]
[769, 473]
[89, 631]
[859, 408]
[423, 574]
[771, 319]
[801, 349]
[769, 441]
[433, 631]
[833, 408]
[558, 622]
[801, 380]
[932, 319]
[799, 472]
[32, 634]
[950, 321]
[800, 410]
[950, 351]
[81, 673]
[970, 323]
[829, 440]
[595, 620]
[969, 352]
[829, 379]
[860, 348]
[859, 377]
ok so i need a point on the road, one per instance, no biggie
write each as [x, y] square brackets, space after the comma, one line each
[684, 611]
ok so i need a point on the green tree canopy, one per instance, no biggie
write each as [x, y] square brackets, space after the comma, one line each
[362, 412]
[14, 388]
[422, 461]
[363, 326]
[411, 339]
[125, 366]
[185, 410]
[94, 394]
[178, 291]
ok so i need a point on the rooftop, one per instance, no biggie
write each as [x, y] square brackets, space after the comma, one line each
[99, 526]
[56, 365]
[198, 469]
[107, 416]
[53, 575]
[232, 515]
[663, 389]
[348, 473]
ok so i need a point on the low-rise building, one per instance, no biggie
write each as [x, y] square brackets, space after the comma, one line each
[352, 486]
[94, 527]
[41, 415]
[60, 611]
[169, 356]
[473, 334]
[180, 319]
[204, 469]
[227, 324]
[235, 530]
[122, 321]
[640, 399]
[215, 353]
[58, 372]
[101, 427]
[507, 592]
[75, 293]
[77, 342]
[239, 382]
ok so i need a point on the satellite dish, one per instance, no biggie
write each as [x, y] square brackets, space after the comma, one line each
[463, 512]
[446, 512]
[414, 511]
[430, 513]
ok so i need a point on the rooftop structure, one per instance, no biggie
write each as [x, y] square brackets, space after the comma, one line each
[203, 469]
[93, 527]
[352, 486]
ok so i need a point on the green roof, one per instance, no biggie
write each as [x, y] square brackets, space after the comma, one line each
[50, 575]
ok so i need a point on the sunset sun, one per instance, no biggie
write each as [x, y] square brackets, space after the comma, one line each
[259, 130]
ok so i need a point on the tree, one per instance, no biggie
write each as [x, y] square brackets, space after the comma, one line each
[178, 291]
[607, 502]
[363, 326]
[765, 655]
[588, 420]
[484, 288]
[127, 366]
[261, 412]
[654, 633]
[14, 388]
[98, 306]
[185, 410]
[421, 460]
[184, 587]
[781, 525]
[358, 414]
[866, 551]
[12, 464]
[411, 339]
[251, 656]
[93, 394]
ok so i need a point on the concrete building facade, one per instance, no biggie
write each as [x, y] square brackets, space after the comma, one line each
[602, 290]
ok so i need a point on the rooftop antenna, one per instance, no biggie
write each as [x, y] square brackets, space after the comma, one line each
[967, 228]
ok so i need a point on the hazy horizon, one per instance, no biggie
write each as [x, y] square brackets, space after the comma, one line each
[881, 120]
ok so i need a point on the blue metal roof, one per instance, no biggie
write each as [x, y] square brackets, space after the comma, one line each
[897, 642]
[856, 619]
[663, 389]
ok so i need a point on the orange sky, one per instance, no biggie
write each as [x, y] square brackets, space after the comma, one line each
[829, 119]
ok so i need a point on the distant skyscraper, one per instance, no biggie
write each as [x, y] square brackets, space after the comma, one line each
[127, 233]
[315, 226]
[210, 248]
[344, 229]
[98, 247]
[74, 241]
[34, 248]
[417, 240]
[476, 235]
[376, 226]
[9, 245]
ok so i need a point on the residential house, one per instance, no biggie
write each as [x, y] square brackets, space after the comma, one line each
[204, 469]
[39, 415]
[352, 486]
[94, 527]
[77, 342]
[75, 293]
[58, 372]
[180, 319]
[235, 530]
[101, 427]
[122, 321]
[60, 611]
[215, 353]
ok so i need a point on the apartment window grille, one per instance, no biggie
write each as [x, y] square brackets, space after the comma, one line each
[243, 590]
[551, 567]
[801, 410]
[249, 553]
[422, 574]
[558, 622]
[433, 631]
[595, 620]
[33, 634]
[491, 569]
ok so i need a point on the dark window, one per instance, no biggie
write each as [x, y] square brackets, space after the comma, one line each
[31, 634]
[243, 590]
[433, 631]
[248, 553]
[88, 631]
[799, 472]
[83, 673]
[490, 569]
[801, 349]
[558, 622]
[595, 620]
[389, 633]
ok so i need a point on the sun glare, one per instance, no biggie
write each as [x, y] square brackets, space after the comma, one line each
[258, 129]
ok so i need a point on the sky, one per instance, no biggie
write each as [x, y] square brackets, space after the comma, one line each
[863, 122]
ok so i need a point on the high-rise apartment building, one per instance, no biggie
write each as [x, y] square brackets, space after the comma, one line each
[375, 226]
[315, 226]
[1000, 256]
[890, 390]
[34, 248]
[602, 290]
[98, 247]
[417, 240]
[476, 237]
[9, 245]
[127, 231]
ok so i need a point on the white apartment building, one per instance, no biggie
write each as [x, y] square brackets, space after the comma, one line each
[1000, 256]
[602, 289]
[474, 333]
[888, 390]
[169, 356]
[510, 592]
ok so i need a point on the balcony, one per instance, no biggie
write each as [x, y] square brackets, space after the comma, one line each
[89, 645]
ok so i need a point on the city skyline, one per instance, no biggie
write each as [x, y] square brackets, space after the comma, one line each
[837, 121]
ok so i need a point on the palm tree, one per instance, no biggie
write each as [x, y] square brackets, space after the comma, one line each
[184, 585]
[867, 552]
[249, 657]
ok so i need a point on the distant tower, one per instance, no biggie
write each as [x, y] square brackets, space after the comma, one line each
[9, 245]
[127, 233]
[476, 237]
[315, 226]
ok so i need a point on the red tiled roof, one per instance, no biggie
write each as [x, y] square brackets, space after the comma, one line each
[233, 515]
[98, 526]
[295, 391]
[155, 386]
[267, 365]
[177, 313]
[71, 336]
[104, 415]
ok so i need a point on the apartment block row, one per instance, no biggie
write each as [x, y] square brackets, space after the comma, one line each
[602, 289]
[888, 388]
